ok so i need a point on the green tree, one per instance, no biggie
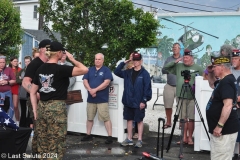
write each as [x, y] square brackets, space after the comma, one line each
[10, 29]
[86, 25]
[165, 46]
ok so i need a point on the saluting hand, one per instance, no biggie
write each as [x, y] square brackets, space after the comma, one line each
[69, 55]
[179, 59]
[127, 61]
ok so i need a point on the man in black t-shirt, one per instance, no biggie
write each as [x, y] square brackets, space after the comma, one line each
[51, 81]
[35, 64]
[29, 75]
[221, 111]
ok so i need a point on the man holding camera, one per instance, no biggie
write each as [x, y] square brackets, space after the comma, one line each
[185, 73]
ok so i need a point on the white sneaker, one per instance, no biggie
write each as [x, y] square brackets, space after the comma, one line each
[17, 123]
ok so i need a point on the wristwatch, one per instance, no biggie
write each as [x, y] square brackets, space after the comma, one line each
[8, 83]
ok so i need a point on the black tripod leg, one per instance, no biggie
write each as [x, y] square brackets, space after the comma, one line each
[199, 112]
[163, 120]
[178, 110]
[170, 138]
[182, 122]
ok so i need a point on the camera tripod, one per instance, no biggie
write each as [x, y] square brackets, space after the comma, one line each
[184, 88]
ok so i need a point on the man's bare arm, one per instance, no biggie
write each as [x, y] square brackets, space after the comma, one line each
[33, 97]
[226, 110]
[86, 85]
[100, 87]
[211, 77]
[103, 85]
[27, 83]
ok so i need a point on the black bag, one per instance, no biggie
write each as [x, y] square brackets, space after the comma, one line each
[74, 97]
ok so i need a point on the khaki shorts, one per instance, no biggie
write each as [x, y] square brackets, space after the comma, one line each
[169, 94]
[222, 147]
[103, 111]
[187, 109]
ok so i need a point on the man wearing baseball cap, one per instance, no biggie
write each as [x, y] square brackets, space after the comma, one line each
[221, 110]
[50, 112]
[35, 64]
[137, 91]
[29, 75]
[187, 113]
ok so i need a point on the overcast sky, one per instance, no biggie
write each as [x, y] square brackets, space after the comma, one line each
[201, 5]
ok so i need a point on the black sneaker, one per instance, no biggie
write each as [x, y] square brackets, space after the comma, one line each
[87, 138]
[109, 140]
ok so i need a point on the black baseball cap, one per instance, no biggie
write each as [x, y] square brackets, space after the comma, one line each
[220, 60]
[188, 52]
[44, 43]
[56, 46]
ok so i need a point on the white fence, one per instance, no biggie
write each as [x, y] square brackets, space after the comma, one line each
[77, 114]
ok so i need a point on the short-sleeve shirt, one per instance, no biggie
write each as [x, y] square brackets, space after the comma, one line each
[53, 80]
[96, 78]
[32, 67]
[225, 89]
[236, 74]
[7, 74]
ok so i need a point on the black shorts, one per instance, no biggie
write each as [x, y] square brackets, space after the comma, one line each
[133, 114]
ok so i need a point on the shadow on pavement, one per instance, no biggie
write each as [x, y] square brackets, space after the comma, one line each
[97, 149]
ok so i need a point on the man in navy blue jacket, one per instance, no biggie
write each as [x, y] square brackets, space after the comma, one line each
[137, 91]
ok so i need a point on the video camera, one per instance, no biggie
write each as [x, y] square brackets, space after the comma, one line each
[186, 75]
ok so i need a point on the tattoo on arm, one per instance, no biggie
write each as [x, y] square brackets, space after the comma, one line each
[29, 86]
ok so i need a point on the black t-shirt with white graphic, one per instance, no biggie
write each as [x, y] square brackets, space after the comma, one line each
[225, 89]
[53, 80]
[32, 67]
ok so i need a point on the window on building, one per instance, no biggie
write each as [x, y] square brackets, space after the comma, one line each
[35, 11]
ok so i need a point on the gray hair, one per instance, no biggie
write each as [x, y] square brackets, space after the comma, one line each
[100, 54]
[227, 49]
[179, 46]
[227, 65]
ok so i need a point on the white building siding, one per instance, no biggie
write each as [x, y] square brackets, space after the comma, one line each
[27, 13]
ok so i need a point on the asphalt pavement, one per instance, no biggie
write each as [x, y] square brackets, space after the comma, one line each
[97, 149]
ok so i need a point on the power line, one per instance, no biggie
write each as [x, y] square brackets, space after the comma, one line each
[190, 27]
[180, 6]
[206, 5]
[154, 7]
[235, 5]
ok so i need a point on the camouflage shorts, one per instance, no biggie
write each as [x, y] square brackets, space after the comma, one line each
[51, 128]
